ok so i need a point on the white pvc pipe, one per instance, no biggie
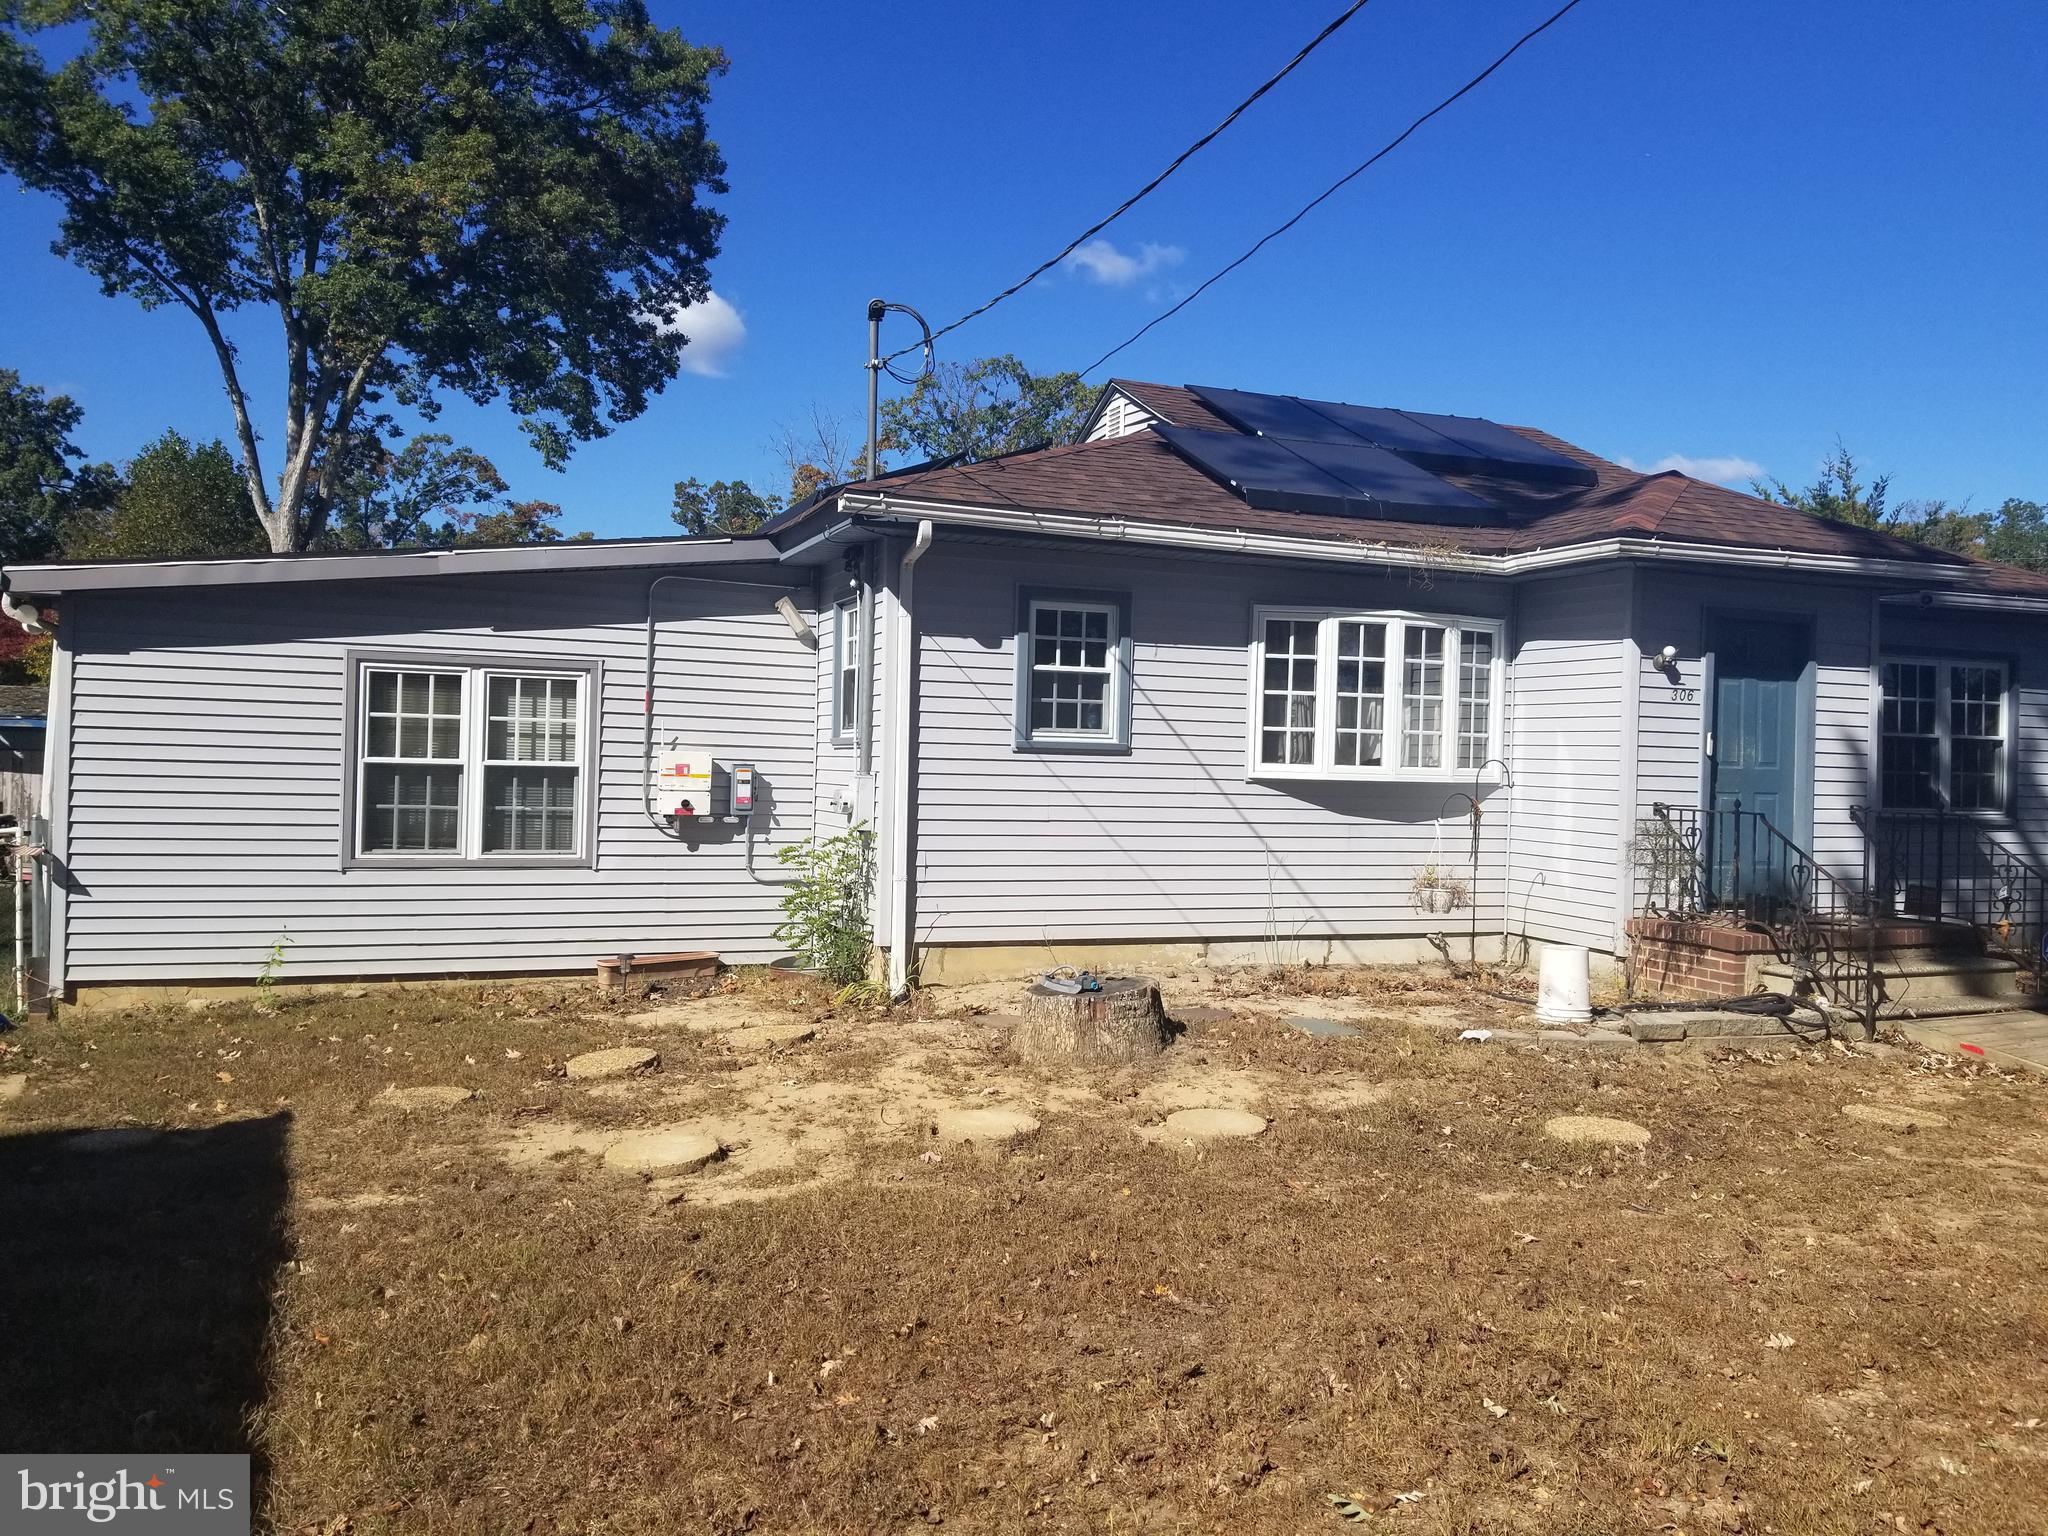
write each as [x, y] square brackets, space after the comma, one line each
[897, 764]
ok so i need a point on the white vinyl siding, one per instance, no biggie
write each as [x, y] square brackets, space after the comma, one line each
[210, 781]
[1168, 840]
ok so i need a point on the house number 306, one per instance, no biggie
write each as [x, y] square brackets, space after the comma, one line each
[1684, 695]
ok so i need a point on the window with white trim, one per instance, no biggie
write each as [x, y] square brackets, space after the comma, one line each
[849, 653]
[1071, 682]
[470, 762]
[1372, 695]
[1942, 735]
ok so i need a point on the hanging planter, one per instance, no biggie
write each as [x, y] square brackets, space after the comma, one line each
[1433, 891]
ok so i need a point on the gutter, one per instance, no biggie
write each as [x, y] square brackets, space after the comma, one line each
[1288, 547]
[903, 647]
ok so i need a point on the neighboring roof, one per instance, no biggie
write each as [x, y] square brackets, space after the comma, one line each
[243, 570]
[1139, 478]
[21, 703]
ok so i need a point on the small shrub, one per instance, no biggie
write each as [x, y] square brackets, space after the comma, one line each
[825, 911]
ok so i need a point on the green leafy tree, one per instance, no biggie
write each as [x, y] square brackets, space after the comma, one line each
[722, 507]
[2019, 534]
[989, 406]
[429, 195]
[432, 493]
[44, 482]
[180, 501]
[1837, 495]
[513, 522]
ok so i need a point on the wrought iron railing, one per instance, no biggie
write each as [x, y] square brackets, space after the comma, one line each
[1945, 867]
[1737, 865]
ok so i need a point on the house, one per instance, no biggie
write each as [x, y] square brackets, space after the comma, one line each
[23, 711]
[1233, 676]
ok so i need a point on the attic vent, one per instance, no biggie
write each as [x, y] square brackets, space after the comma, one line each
[1119, 416]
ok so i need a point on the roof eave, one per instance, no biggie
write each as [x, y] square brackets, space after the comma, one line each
[55, 580]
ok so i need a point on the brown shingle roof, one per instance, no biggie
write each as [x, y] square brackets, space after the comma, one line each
[1139, 478]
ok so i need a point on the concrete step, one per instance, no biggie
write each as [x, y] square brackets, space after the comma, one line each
[1933, 1007]
[1925, 977]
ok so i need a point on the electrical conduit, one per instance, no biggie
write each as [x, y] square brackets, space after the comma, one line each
[903, 646]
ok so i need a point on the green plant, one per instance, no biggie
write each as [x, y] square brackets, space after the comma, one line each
[269, 971]
[825, 909]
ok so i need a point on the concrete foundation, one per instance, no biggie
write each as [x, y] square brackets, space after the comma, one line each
[964, 964]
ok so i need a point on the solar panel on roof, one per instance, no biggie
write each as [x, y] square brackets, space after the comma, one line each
[1271, 415]
[1498, 445]
[1453, 444]
[1352, 479]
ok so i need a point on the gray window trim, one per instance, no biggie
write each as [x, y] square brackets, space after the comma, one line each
[592, 673]
[842, 735]
[1118, 741]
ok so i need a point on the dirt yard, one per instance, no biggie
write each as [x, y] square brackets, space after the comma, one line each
[1403, 1305]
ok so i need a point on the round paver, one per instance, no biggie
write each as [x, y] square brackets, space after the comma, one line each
[767, 1036]
[663, 1154]
[1897, 1116]
[987, 1125]
[1597, 1128]
[119, 1138]
[427, 1097]
[1209, 1124]
[619, 1062]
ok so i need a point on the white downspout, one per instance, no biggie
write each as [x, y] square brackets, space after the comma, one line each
[897, 770]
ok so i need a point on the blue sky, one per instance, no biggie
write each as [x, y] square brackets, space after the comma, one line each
[1729, 232]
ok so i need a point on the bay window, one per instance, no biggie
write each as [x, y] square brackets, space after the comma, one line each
[1942, 735]
[460, 762]
[1372, 695]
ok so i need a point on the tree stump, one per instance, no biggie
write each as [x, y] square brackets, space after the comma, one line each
[1122, 1023]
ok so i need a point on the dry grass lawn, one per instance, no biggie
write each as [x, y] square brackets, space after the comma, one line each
[1774, 1317]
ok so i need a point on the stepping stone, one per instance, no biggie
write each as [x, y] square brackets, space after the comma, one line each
[1598, 1129]
[619, 1062]
[1202, 1013]
[664, 1154]
[1321, 1029]
[1210, 1124]
[761, 1037]
[430, 1097]
[985, 1125]
[120, 1138]
[13, 1085]
[1897, 1116]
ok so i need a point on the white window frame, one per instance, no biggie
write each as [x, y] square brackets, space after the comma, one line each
[1112, 683]
[365, 762]
[484, 762]
[1392, 750]
[846, 671]
[1944, 757]
[474, 678]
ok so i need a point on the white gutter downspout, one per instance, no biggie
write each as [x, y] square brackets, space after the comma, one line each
[897, 767]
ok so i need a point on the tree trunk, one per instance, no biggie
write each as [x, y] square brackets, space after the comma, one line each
[1122, 1023]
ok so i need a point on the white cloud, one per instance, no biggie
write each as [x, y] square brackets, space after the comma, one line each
[1725, 469]
[1103, 262]
[715, 331]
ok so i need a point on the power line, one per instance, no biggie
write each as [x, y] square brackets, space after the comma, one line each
[1336, 186]
[1145, 191]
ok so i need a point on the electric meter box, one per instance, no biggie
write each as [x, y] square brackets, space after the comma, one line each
[691, 784]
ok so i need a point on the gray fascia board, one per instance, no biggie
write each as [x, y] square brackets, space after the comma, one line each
[55, 580]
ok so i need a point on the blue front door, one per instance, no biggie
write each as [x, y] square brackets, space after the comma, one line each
[1758, 747]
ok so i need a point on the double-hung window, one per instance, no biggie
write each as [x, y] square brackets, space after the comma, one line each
[1073, 671]
[1372, 695]
[1942, 732]
[849, 655]
[483, 762]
